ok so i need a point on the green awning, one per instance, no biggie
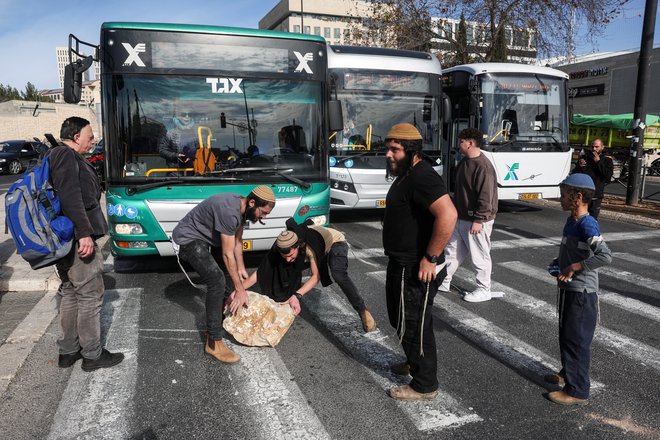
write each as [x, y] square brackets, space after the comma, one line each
[623, 121]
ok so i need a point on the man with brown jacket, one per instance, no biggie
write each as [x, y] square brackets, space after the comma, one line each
[475, 197]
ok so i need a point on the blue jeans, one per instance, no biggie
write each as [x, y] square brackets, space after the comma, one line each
[207, 262]
[338, 265]
[79, 301]
[578, 313]
[423, 369]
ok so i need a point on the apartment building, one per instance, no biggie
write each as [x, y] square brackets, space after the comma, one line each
[329, 19]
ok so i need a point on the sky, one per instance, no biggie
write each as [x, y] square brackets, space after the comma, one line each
[31, 29]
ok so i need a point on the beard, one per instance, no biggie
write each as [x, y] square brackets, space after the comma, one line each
[398, 168]
[251, 214]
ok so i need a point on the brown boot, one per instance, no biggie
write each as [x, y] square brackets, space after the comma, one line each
[405, 392]
[219, 350]
[368, 321]
[561, 398]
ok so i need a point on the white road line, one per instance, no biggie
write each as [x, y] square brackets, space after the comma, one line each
[510, 234]
[632, 278]
[279, 408]
[636, 259]
[21, 341]
[655, 250]
[625, 346]
[500, 344]
[628, 304]
[99, 404]
[376, 352]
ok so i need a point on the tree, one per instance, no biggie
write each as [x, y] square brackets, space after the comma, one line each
[8, 93]
[547, 23]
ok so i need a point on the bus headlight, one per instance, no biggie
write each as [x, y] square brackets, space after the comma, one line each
[132, 244]
[342, 186]
[128, 228]
[319, 220]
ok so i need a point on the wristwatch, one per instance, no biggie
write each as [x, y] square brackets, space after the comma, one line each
[432, 258]
[299, 296]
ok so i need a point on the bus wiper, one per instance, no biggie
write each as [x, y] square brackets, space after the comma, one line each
[301, 183]
[145, 186]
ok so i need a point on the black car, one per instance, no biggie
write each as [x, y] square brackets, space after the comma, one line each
[15, 156]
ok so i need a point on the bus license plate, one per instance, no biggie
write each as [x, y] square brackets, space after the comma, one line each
[247, 245]
[380, 203]
[528, 196]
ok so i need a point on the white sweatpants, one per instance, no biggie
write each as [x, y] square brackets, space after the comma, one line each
[477, 246]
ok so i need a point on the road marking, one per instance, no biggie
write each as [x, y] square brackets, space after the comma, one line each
[376, 352]
[631, 258]
[631, 348]
[510, 234]
[99, 404]
[632, 278]
[655, 250]
[20, 343]
[628, 304]
[500, 344]
[279, 408]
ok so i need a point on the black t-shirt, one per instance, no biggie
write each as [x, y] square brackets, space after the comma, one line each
[408, 224]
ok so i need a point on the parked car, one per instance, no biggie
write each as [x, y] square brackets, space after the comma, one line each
[97, 158]
[15, 156]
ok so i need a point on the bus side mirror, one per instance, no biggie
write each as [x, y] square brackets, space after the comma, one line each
[223, 120]
[335, 116]
[73, 79]
[446, 109]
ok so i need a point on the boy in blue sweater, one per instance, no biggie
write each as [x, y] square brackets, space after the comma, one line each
[581, 252]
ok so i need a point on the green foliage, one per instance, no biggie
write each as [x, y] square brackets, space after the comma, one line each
[9, 93]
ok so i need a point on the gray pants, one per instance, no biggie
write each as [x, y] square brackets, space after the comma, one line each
[79, 301]
[477, 246]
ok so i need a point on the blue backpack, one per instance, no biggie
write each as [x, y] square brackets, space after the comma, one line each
[32, 212]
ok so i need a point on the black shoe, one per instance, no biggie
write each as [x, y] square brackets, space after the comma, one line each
[67, 360]
[106, 360]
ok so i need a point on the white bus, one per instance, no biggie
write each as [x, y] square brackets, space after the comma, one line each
[378, 88]
[523, 113]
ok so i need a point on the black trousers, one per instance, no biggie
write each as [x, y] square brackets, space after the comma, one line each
[594, 207]
[578, 313]
[338, 265]
[207, 262]
[423, 368]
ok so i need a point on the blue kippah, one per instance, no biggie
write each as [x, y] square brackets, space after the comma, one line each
[579, 180]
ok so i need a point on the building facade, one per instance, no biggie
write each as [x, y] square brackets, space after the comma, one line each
[606, 83]
[329, 19]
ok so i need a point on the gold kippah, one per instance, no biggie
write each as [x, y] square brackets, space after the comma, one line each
[286, 239]
[404, 131]
[264, 193]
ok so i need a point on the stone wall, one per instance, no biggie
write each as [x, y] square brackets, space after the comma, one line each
[19, 120]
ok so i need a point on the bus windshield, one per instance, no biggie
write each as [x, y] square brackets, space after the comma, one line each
[373, 102]
[257, 128]
[524, 108]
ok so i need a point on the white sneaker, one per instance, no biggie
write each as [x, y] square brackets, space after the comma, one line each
[445, 286]
[479, 295]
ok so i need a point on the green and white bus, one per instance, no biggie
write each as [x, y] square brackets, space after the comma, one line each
[258, 100]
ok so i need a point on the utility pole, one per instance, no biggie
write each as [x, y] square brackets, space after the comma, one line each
[643, 74]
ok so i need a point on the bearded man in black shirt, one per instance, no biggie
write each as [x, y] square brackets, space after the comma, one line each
[419, 219]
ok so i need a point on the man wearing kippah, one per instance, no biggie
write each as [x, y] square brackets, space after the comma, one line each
[419, 219]
[210, 238]
[325, 250]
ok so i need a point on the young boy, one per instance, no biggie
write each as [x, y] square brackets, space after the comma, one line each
[582, 251]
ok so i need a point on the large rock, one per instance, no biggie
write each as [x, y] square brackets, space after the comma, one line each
[262, 323]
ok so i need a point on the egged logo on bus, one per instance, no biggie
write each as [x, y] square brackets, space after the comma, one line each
[225, 85]
[303, 62]
[134, 54]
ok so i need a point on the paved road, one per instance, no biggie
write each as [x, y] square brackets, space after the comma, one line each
[651, 189]
[327, 379]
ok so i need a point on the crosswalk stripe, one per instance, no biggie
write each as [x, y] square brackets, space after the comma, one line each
[626, 346]
[376, 352]
[502, 345]
[99, 404]
[631, 258]
[655, 250]
[279, 408]
[632, 278]
[629, 304]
